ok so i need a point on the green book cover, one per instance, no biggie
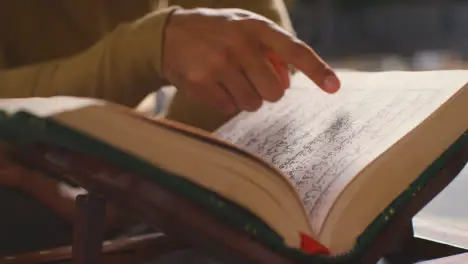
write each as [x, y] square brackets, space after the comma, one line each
[24, 128]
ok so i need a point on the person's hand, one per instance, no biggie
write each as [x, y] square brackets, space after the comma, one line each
[223, 57]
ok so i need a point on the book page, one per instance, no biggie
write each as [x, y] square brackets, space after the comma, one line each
[46, 106]
[321, 141]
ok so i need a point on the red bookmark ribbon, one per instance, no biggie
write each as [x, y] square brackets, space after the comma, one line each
[310, 246]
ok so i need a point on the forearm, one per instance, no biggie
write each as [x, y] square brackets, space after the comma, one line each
[122, 67]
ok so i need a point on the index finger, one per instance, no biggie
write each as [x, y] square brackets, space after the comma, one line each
[297, 53]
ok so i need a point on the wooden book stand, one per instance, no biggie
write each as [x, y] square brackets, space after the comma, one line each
[129, 250]
[184, 221]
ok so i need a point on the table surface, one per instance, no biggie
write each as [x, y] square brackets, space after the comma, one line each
[457, 259]
[445, 219]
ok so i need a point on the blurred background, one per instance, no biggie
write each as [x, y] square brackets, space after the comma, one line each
[385, 34]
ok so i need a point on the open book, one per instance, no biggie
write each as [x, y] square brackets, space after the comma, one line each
[313, 166]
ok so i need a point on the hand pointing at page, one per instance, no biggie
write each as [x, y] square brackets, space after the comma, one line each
[224, 58]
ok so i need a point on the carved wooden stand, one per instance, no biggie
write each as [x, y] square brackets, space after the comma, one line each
[91, 212]
[184, 221]
[88, 234]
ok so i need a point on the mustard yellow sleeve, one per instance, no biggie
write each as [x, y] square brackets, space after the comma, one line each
[123, 67]
[195, 113]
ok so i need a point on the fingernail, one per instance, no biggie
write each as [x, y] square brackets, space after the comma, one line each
[331, 84]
